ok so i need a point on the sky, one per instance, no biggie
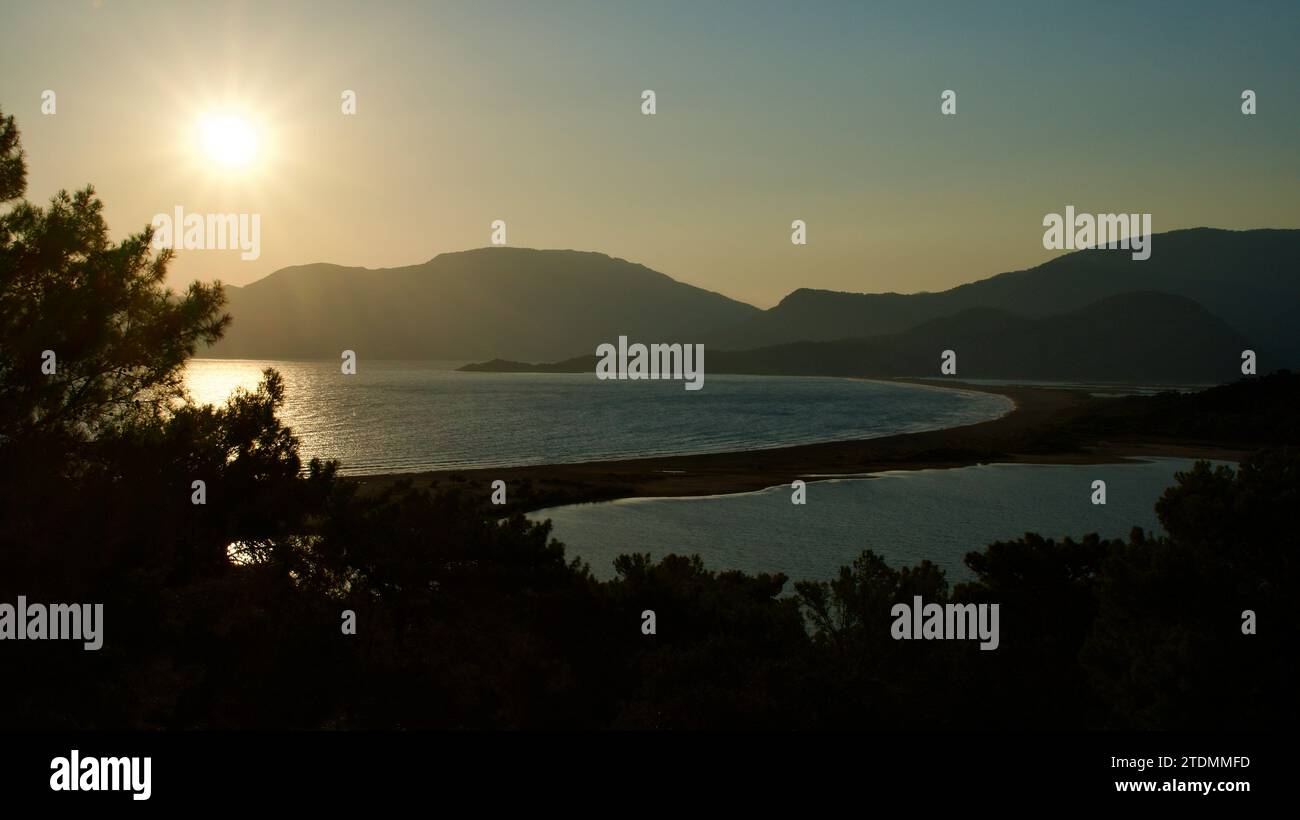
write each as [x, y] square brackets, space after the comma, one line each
[531, 113]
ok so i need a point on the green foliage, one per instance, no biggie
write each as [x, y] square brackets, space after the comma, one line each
[1167, 649]
[728, 652]
[13, 168]
[228, 614]
[120, 337]
[1250, 412]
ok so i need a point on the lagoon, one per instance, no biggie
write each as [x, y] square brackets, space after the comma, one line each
[905, 516]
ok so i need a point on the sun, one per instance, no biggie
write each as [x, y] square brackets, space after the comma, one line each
[229, 140]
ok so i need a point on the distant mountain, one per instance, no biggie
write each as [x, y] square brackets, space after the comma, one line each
[1145, 337]
[546, 305]
[1250, 279]
[508, 302]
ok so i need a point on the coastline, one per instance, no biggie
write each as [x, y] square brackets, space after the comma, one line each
[1030, 433]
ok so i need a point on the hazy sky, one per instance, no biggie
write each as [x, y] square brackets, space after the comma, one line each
[767, 112]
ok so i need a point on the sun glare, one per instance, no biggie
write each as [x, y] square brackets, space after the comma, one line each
[228, 140]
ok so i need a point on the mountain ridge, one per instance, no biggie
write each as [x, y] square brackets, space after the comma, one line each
[1139, 337]
[519, 302]
[1244, 277]
[527, 304]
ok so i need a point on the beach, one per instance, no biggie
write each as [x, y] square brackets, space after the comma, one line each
[1036, 431]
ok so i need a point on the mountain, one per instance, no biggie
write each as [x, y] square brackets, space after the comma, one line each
[1250, 279]
[1144, 337]
[547, 305]
[508, 302]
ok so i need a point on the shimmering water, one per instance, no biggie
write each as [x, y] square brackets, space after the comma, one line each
[903, 516]
[409, 416]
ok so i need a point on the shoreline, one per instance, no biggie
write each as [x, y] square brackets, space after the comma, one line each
[1029, 433]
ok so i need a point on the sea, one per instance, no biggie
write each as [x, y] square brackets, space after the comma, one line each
[410, 416]
[395, 416]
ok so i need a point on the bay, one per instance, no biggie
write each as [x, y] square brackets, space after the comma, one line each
[395, 416]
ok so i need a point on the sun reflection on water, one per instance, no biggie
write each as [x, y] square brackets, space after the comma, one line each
[211, 381]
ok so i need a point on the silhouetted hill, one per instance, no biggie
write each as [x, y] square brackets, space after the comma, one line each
[507, 302]
[1247, 278]
[580, 364]
[1135, 337]
[522, 304]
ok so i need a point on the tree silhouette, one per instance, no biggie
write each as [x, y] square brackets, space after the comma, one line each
[227, 614]
[1168, 649]
[119, 336]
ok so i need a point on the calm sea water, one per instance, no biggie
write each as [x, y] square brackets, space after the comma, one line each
[409, 416]
[903, 516]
